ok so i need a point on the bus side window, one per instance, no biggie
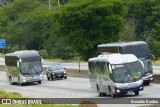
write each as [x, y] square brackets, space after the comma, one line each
[120, 50]
[11, 61]
[101, 67]
[91, 67]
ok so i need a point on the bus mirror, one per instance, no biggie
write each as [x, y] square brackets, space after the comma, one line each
[20, 60]
[42, 60]
[151, 56]
[113, 67]
[17, 63]
[141, 63]
[110, 68]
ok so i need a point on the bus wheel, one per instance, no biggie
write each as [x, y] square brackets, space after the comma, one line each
[136, 92]
[99, 93]
[110, 91]
[10, 80]
[19, 82]
[112, 95]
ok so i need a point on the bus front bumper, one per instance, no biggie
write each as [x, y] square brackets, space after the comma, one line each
[31, 79]
[148, 78]
[131, 89]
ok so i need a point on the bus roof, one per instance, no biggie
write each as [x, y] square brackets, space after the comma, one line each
[24, 54]
[121, 44]
[116, 58]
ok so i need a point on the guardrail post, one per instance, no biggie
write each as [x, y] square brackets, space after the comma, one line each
[79, 63]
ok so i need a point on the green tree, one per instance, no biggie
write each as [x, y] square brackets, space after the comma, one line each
[25, 23]
[85, 24]
[129, 33]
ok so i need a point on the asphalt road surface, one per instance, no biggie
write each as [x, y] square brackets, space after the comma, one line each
[68, 88]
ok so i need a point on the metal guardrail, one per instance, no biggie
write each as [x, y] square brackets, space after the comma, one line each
[83, 73]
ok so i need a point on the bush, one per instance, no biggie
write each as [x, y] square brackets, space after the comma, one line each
[43, 54]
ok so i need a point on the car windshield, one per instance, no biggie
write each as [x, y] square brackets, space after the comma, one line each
[124, 73]
[32, 68]
[56, 67]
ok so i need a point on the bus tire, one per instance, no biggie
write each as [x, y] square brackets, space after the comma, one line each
[112, 95]
[136, 93]
[99, 93]
[110, 91]
[10, 80]
[19, 82]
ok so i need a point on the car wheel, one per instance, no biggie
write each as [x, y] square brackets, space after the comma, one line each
[52, 78]
[39, 82]
[65, 77]
[147, 83]
[48, 78]
[10, 80]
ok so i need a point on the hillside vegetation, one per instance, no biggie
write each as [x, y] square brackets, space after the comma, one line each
[72, 29]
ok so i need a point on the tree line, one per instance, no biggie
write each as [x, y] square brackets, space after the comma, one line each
[72, 29]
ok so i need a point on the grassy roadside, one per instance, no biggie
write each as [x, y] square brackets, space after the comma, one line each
[157, 62]
[1, 55]
[4, 94]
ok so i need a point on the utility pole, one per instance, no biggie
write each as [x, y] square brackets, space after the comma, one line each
[58, 3]
[49, 4]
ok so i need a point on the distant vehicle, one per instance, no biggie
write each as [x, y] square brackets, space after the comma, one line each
[115, 74]
[23, 67]
[56, 71]
[138, 48]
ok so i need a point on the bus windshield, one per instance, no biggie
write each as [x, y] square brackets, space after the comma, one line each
[124, 73]
[147, 66]
[31, 67]
[140, 51]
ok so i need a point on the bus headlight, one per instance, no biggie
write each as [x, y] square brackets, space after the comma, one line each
[118, 91]
[41, 75]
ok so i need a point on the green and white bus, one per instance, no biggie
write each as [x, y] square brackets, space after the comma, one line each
[138, 48]
[23, 67]
[115, 74]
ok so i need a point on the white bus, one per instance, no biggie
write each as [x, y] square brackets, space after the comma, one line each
[115, 74]
[23, 66]
[138, 48]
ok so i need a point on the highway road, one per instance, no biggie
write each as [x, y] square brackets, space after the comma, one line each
[69, 88]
